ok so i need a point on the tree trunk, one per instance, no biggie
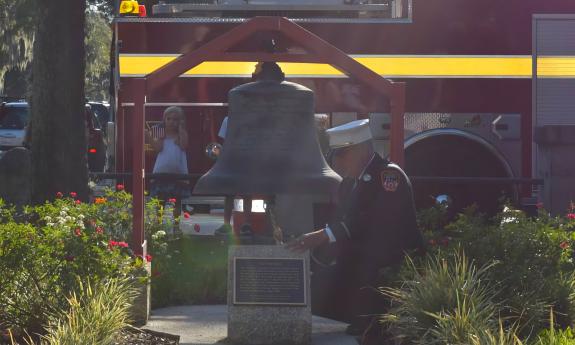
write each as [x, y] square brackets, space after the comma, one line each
[58, 129]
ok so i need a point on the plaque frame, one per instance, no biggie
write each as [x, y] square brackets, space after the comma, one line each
[305, 283]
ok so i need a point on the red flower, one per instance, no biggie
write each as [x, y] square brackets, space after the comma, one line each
[112, 244]
[172, 200]
[570, 215]
[119, 187]
[186, 215]
[432, 242]
[99, 230]
[78, 232]
[59, 195]
[122, 244]
[77, 202]
[148, 258]
[564, 245]
[73, 194]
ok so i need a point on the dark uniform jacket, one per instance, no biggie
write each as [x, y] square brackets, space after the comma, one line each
[376, 216]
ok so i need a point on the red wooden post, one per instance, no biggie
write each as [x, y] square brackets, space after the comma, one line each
[397, 102]
[137, 123]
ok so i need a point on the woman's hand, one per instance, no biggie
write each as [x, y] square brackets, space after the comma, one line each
[182, 140]
[156, 144]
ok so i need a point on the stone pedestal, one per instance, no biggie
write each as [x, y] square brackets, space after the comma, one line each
[140, 311]
[273, 319]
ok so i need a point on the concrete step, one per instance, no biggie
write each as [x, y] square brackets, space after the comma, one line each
[207, 325]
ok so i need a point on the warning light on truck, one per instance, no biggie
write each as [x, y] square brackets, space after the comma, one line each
[129, 7]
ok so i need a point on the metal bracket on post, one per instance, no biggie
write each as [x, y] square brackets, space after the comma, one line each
[397, 103]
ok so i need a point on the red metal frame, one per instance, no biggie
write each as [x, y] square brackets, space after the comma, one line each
[317, 51]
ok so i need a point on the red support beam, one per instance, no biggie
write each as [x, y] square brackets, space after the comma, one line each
[137, 124]
[318, 51]
[206, 52]
[336, 57]
[271, 57]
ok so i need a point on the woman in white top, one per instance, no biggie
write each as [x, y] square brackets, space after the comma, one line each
[171, 147]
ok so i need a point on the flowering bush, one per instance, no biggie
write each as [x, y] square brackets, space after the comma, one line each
[47, 251]
[531, 271]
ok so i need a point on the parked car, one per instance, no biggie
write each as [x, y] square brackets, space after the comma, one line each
[102, 111]
[14, 118]
[13, 122]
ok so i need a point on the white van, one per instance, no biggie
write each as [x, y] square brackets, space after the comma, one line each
[14, 119]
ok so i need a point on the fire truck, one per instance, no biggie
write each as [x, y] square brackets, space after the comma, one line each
[473, 98]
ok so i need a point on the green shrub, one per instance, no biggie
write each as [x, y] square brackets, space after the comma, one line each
[553, 336]
[446, 300]
[534, 259]
[94, 316]
[46, 250]
[195, 272]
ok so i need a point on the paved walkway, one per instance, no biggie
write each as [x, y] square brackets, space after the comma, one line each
[207, 324]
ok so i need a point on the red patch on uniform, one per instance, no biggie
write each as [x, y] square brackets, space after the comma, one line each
[390, 180]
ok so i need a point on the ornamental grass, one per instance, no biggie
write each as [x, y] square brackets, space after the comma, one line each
[94, 316]
[445, 301]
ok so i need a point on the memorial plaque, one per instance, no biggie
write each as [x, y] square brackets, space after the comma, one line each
[269, 281]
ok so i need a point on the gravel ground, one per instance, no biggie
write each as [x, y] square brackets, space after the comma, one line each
[135, 336]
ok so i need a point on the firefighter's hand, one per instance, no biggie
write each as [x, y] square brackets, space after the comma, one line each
[308, 241]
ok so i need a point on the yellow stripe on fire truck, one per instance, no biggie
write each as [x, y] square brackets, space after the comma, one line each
[392, 66]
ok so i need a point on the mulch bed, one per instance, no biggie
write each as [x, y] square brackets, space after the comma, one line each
[137, 336]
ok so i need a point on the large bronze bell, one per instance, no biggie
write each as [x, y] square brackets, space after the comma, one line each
[271, 145]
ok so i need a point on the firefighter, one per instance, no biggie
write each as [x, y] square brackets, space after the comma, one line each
[373, 227]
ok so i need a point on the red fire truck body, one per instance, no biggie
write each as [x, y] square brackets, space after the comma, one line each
[467, 65]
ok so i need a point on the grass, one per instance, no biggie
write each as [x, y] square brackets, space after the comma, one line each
[196, 273]
[94, 317]
[445, 301]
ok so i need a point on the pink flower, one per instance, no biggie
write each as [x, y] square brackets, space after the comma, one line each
[99, 230]
[78, 232]
[122, 244]
[186, 215]
[172, 200]
[73, 194]
[119, 187]
[112, 244]
[77, 202]
[564, 245]
[148, 258]
[59, 195]
[570, 215]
